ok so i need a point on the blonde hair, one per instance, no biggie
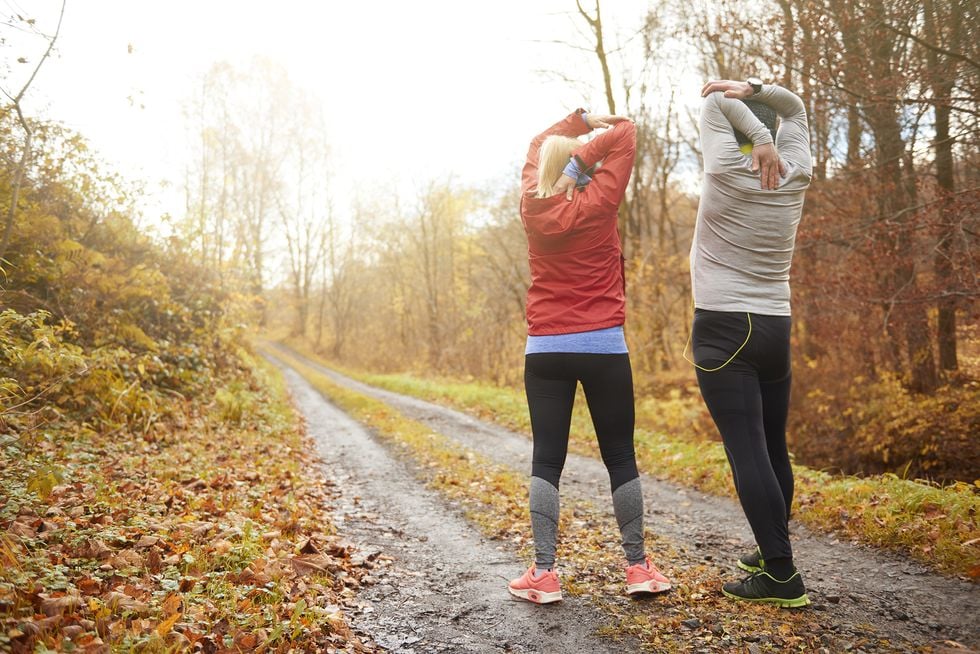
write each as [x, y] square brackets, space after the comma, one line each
[552, 159]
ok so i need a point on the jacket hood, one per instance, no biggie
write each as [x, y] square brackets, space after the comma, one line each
[550, 217]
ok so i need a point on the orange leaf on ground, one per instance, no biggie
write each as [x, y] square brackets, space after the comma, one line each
[171, 604]
[164, 627]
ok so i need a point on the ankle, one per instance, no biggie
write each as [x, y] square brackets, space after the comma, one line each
[781, 568]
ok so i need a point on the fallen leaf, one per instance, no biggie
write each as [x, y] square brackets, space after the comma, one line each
[164, 627]
[147, 541]
[310, 564]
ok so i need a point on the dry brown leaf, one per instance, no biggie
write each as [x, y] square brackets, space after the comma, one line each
[246, 641]
[147, 541]
[22, 528]
[59, 605]
[89, 586]
[73, 631]
[154, 561]
[309, 547]
[122, 602]
[95, 549]
[311, 564]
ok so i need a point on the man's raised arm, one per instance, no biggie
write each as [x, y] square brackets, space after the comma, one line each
[793, 138]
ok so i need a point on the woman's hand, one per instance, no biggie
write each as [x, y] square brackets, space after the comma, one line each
[566, 185]
[731, 88]
[595, 121]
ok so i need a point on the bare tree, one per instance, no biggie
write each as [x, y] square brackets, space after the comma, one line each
[306, 212]
[25, 154]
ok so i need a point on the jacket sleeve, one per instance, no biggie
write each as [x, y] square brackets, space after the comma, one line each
[616, 148]
[571, 125]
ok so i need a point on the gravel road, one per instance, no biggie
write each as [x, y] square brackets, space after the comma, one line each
[435, 599]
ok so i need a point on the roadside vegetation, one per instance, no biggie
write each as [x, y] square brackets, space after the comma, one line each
[157, 493]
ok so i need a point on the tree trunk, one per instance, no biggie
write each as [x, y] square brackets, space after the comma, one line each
[943, 76]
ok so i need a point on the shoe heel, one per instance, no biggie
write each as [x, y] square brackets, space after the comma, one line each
[536, 596]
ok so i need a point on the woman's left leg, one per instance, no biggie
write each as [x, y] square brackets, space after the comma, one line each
[607, 380]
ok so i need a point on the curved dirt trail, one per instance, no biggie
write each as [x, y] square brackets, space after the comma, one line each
[862, 591]
[445, 588]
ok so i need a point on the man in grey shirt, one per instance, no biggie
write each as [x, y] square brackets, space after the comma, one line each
[751, 203]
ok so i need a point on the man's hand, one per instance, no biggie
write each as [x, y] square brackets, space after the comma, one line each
[566, 185]
[595, 121]
[766, 160]
[731, 88]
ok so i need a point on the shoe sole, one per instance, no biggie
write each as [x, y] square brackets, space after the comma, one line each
[536, 596]
[652, 586]
[798, 602]
[749, 568]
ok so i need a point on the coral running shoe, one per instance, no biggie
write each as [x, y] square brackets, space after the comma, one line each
[645, 578]
[542, 589]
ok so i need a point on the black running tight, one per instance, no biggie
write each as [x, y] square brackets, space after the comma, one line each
[749, 400]
[550, 380]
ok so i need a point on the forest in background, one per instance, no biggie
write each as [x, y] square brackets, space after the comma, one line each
[885, 284]
[885, 276]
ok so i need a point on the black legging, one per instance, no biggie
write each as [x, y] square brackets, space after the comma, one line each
[607, 379]
[749, 400]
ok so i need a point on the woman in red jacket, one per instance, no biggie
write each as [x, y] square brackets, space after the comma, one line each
[576, 307]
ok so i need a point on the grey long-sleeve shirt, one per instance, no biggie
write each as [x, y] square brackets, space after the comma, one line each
[744, 236]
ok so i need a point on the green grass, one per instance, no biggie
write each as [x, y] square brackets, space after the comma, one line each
[936, 525]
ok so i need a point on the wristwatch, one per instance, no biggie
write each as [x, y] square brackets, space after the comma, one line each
[755, 83]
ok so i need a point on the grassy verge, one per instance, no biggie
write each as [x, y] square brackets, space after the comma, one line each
[939, 526]
[209, 535]
[694, 617]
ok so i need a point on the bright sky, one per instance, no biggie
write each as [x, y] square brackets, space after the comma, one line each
[412, 90]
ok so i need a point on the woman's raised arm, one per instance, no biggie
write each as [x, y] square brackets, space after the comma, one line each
[574, 124]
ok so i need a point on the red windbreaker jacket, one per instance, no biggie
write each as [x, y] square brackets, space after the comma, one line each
[577, 274]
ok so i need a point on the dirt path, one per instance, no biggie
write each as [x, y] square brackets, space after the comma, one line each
[445, 589]
[861, 590]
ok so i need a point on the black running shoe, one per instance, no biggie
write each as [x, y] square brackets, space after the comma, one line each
[764, 588]
[752, 562]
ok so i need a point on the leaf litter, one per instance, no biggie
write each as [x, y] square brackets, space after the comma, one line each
[204, 536]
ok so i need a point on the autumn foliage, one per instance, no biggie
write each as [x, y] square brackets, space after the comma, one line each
[156, 492]
[885, 272]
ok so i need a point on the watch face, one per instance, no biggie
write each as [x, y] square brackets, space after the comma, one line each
[754, 81]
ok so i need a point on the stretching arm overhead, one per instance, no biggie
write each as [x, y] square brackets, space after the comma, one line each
[718, 145]
[793, 137]
[571, 125]
[616, 148]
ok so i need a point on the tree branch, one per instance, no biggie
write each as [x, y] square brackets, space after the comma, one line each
[932, 46]
[25, 154]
